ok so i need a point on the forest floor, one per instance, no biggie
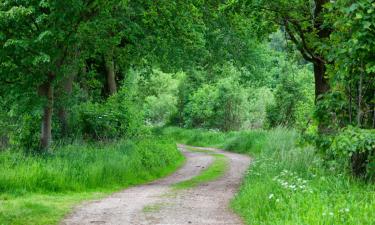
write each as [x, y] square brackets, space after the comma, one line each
[196, 194]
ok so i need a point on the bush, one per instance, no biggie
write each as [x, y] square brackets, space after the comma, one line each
[118, 117]
[259, 99]
[283, 111]
[223, 105]
[26, 135]
[356, 148]
[232, 106]
[200, 110]
[161, 97]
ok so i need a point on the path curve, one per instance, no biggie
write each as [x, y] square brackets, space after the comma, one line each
[157, 204]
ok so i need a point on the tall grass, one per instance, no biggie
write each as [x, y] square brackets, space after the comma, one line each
[42, 189]
[86, 167]
[288, 183]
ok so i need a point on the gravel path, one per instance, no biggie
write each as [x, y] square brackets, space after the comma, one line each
[158, 204]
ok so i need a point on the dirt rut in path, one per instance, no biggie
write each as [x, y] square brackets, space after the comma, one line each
[157, 203]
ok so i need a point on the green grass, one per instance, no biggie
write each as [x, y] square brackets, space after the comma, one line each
[217, 169]
[42, 189]
[288, 183]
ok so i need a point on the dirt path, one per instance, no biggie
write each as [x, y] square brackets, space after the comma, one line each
[158, 204]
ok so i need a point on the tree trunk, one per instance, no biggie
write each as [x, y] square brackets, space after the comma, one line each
[321, 88]
[321, 82]
[46, 90]
[67, 88]
[359, 111]
[111, 76]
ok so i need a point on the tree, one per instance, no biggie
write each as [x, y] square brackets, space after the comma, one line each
[353, 71]
[303, 21]
[36, 38]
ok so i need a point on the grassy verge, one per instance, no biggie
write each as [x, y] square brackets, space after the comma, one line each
[287, 183]
[41, 190]
[217, 169]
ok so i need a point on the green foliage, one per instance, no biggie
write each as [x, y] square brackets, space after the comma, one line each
[26, 136]
[200, 111]
[40, 209]
[287, 96]
[232, 104]
[352, 53]
[80, 167]
[233, 141]
[288, 183]
[42, 190]
[222, 104]
[259, 100]
[355, 148]
[118, 117]
[161, 97]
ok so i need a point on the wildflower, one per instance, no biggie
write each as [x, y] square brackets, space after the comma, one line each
[271, 196]
[347, 210]
[331, 213]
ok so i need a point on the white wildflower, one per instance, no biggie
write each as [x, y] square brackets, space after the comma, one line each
[270, 196]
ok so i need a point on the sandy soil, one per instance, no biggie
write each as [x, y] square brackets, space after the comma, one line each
[157, 203]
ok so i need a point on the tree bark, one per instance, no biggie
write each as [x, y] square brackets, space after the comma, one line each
[111, 76]
[46, 90]
[321, 81]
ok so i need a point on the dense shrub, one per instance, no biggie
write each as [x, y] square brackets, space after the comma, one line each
[232, 105]
[25, 135]
[160, 102]
[200, 110]
[355, 148]
[283, 111]
[223, 105]
[119, 116]
[259, 99]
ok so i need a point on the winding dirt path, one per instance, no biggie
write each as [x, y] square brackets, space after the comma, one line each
[158, 204]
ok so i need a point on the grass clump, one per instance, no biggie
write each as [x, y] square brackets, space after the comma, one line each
[42, 189]
[288, 183]
[214, 171]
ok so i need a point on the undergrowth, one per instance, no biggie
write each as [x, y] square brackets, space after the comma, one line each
[42, 189]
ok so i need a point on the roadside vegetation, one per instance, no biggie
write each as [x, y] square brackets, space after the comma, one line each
[288, 182]
[42, 189]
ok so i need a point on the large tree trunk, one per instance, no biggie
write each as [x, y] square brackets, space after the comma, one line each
[321, 81]
[46, 90]
[111, 76]
[321, 88]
